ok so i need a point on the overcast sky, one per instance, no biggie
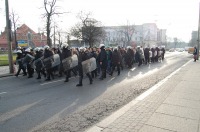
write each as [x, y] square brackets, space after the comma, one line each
[179, 17]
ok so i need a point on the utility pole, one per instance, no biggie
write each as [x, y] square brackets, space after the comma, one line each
[198, 35]
[8, 29]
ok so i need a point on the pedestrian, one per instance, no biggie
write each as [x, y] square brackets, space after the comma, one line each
[129, 56]
[94, 54]
[146, 55]
[195, 54]
[163, 53]
[103, 61]
[109, 58]
[139, 56]
[115, 61]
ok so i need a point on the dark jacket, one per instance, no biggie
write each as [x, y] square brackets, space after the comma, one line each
[38, 63]
[195, 51]
[146, 52]
[19, 60]
[115, 57]
[65, 53]
[103, 58]
[48, 59]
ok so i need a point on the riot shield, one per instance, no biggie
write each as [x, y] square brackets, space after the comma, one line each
[38, 64]
[89, 65]
[27, 59]
[70, 62]
[48, 62]
[56, 60]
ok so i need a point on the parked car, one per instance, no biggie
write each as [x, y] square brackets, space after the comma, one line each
[171, 50]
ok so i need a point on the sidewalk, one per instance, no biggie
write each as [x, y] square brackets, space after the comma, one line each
[173, 105]
[4, 71]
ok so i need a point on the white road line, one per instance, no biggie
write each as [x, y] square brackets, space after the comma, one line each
[3, 93]
[17, 111]
[52, 82]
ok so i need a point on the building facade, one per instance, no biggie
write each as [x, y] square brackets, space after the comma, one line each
[146, 35]
[25, 37]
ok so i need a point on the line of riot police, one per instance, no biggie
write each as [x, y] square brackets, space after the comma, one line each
[91, 62]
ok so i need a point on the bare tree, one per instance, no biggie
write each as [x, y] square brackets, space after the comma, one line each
[89, 30]
[50, 8]
[127, 31]
[14, 19]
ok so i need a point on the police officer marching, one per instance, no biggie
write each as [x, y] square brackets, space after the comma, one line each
[38, 63]
[48, 55]
[66, 52]
[82, 57]
[19, 61]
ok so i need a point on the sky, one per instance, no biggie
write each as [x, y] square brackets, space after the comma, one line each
[179, 17]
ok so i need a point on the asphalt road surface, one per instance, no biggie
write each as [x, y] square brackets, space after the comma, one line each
[36, 105]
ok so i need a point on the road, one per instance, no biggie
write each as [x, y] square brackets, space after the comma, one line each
[36, 105]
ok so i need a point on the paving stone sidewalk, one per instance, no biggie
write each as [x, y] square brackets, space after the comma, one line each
[172, 107]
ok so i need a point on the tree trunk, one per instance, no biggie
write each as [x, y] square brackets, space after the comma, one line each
[48, 32]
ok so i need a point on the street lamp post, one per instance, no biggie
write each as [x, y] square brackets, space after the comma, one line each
[8, 29]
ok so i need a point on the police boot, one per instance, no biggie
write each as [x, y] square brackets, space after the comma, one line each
[80, 82]
[90, 78]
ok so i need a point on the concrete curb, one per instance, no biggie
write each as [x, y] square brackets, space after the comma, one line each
[6, 75]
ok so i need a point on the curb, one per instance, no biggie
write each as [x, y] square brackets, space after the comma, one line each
[6, 75]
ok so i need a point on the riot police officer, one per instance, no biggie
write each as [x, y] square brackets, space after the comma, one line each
[82, 57]
[66, 52]
[103, 61]
[48, 61]
[38, 63]
[19, 61]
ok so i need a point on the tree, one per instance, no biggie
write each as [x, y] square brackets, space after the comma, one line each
[88, 29]
[50, 8]
[14, 19]
[127, 31]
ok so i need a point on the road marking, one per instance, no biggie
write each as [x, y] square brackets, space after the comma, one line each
[52, 82]
[107, 121]
[3, 93]
[8, 115]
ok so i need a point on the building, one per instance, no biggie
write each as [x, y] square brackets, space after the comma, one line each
[162, 40]
[194, 39]
[25, 37]
[149, 33]
[146, 35]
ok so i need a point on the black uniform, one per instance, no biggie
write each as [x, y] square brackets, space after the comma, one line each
[30, 70]
[163, 53]
[21, 67]
[129, 58]
[65, 54]
[115, 61]
[82, 57]
[103, 62]
[146, 55]
[48, 64]
[38, 64]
